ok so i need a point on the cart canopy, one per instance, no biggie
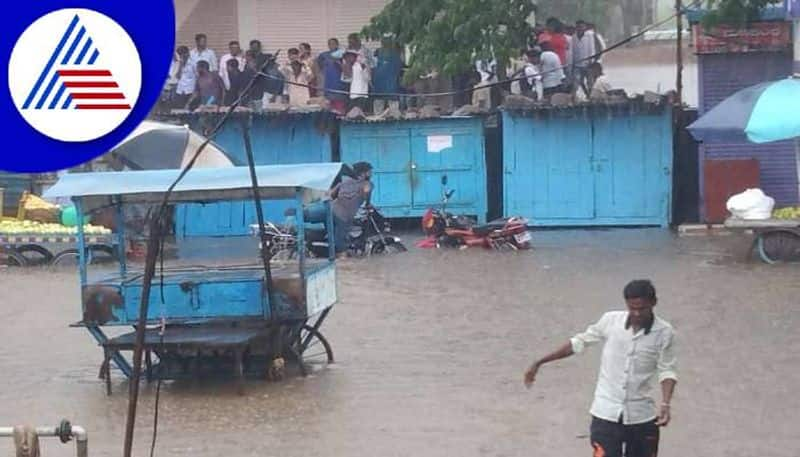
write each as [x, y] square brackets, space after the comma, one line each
[97, 190]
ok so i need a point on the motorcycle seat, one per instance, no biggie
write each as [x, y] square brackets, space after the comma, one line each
[483, 230]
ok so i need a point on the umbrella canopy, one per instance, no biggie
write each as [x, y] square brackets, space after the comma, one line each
[160, 146]
[762, 113]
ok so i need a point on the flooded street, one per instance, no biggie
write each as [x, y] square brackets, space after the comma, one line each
[431, 347]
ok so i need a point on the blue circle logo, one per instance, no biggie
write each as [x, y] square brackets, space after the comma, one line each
[81, 79]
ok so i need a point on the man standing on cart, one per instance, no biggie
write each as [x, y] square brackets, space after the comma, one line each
[639, 348]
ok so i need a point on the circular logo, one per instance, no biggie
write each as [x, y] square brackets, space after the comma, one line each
[121, 61]
[74, 75]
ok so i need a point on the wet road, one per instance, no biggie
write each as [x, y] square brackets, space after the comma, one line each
[431, 347]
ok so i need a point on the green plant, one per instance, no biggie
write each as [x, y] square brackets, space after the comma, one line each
[449, 35]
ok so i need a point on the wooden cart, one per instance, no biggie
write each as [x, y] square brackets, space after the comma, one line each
[776, 240]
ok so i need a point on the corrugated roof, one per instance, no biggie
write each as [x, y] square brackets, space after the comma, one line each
[387, 121]
[242, 114]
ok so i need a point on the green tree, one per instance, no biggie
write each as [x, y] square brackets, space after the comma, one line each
[449, 35]
[737, 12]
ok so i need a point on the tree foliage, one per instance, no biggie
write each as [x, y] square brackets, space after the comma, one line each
[737, 12]
[449, 35]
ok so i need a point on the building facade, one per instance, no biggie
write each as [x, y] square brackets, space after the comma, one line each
[731, 59]
[279, 24]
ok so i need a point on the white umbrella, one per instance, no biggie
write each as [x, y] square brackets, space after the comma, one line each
[157, 145]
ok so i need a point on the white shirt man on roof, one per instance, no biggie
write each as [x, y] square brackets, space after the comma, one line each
[202, 52]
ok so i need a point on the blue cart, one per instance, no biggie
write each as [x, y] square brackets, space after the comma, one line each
[216, 316]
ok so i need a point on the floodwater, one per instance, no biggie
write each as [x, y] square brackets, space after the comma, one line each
[431, 347]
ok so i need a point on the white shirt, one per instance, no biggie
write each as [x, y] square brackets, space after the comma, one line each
[359, 86]
[552, 71]
[583, 48]
[601, 84]
[533, 74]
[187, 80]
[223, 68]
[628, 366]
[207, 55]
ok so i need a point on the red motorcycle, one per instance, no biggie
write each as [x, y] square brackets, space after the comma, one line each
[447, 230]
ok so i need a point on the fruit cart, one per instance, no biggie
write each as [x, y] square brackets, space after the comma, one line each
[776, 240]
[36, 236]
[216, 315]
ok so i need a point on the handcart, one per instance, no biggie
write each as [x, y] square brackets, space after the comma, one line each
[248, 318]
[776, 240]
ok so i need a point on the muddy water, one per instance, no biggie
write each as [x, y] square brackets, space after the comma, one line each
[430, 351]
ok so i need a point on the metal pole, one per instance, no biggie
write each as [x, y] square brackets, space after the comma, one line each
[82, 257]
[119, 218]
[679, 52]
[149, 271]
[796, 74]
[266, 243]
[796, 61]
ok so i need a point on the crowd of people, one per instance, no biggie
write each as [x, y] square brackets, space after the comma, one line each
[346, 77]
[560, 58]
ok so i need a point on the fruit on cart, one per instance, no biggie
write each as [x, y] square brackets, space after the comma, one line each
[28, 227]
[790, 212]
[34, 208]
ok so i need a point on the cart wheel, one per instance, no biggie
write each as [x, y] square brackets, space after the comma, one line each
[13, 258]
[779, 246]
[94, 254]
[67, 258]
[314, 352]
[35, 255]
[101, 253]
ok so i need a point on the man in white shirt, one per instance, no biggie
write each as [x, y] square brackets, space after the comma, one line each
[598, 82]
[639, 348]
[551, 70]
[187, 79]
[584, 47]
[235, 53]
[359, 78]
[201, 52]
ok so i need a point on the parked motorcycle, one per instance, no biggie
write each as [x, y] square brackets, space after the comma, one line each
[447, 230]
[370, 234]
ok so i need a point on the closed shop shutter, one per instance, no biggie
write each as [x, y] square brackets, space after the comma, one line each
[723, 74]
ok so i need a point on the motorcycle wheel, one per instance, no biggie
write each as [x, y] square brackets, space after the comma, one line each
[388, 247]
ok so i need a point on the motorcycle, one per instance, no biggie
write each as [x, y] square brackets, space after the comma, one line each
[447, 230]
[370, 234]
